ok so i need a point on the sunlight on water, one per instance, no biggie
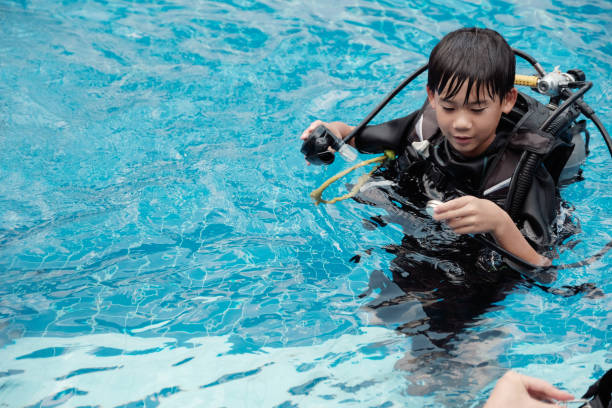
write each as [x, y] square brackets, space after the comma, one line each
[113, 369]
[157, 241]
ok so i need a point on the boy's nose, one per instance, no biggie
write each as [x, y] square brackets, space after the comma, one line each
[462, 122]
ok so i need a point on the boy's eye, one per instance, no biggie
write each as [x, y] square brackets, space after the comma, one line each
[448, 108]
[478, 110]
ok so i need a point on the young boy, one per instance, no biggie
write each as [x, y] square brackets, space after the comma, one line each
[470, 85]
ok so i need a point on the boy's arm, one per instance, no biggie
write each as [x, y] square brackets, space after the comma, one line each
[374, 138]
[471, 215]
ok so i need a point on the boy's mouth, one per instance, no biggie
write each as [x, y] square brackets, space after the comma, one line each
[462, 139]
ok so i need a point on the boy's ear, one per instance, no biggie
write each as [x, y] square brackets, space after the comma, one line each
[509, 100]
[431, 98]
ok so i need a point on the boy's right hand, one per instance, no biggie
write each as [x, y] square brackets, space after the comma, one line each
[332, 127]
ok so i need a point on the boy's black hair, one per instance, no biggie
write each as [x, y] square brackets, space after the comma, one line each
[480, 56]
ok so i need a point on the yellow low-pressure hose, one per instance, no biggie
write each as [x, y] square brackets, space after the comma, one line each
[526, 80]
[317, 194]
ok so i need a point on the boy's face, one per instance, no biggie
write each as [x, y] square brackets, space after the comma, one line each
[470, 127]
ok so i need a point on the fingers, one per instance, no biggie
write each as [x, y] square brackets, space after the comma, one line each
[543, 390]
[462, 225]
[451, 215]
[454, 204]
[468, 214]
[310, 128]
[457, 208]
[517, 390]
[460, 221]
[540, 404]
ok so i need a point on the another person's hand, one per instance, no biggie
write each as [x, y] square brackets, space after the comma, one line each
[517, 390]
[471, 215]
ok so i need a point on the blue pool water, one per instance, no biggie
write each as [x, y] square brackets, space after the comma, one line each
[157, 242]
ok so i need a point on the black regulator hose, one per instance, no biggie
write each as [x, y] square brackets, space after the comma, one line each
[530, 161]
[385, 101]
[531, 60]
[411, 78]
[525, 171]
[573, 97]
[587, 111]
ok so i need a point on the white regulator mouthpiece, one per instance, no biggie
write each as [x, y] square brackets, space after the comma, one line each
[347, 152]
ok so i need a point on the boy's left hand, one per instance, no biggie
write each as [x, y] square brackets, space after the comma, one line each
[471, 215]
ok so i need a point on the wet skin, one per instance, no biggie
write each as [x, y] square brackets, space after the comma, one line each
[470, 126]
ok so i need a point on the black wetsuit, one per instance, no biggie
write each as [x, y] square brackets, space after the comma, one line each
[443, 173]
[447, 280]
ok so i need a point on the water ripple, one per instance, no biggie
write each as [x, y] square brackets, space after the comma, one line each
[152, 187]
